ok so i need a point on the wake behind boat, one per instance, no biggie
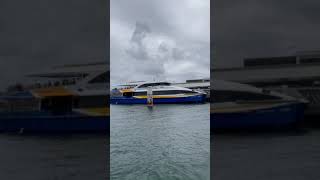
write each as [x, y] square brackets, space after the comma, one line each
[162, 93]
[236, 106]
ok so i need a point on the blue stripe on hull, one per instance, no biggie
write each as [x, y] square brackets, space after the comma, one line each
[281, 116]
[56, 124]
[190, 99]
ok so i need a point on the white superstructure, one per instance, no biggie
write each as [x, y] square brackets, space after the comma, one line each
[162, 89]
[82, 79]
[296, 75]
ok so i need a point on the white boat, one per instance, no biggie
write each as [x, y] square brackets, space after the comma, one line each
[237, 105]
[69, 98]
[162, 93]
[296, 74]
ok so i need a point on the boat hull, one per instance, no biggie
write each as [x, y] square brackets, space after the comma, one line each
[275, 117]
[175, 100]
[55, 124]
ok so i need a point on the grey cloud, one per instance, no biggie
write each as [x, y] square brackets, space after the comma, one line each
[35, 35]
[178, 53]
[137, 49]
[140, 33]
[163, 48]
[254, 28]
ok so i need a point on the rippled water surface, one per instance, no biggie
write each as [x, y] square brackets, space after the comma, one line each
[53, 157]
[165, 142]
[282, 155]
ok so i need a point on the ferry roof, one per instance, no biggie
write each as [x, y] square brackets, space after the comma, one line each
[155, 82]
[156, 88]
[58, 75]
[72, 70]
[134, 83]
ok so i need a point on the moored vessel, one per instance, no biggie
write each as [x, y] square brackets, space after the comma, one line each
[237, 106]
[69, 99]
[162, 93]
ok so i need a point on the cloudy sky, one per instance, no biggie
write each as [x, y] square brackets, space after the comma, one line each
[159, 40]
[258, 28]
[35, 35]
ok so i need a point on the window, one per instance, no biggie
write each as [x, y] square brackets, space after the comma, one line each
[169, 92]
[310, 60]
[154, 84]
[91, 101]
[250, 62]
[173, 92]
[140, 93]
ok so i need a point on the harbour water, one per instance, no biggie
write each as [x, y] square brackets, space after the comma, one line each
[280, 155]
[163, 143]
[54, 157]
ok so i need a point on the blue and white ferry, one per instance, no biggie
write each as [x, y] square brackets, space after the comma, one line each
[72, 98]
[236, 106]
[162, 93]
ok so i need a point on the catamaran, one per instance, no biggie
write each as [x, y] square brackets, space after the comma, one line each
[235, 105]
[162, 93]
[69, 98]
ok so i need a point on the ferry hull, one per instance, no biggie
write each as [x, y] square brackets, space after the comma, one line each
[177, 100]
[276, 117]
[55, 124]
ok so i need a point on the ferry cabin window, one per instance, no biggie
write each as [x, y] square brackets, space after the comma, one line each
[102, 78]
[154, 84]
[91, 101]
[233, 96]
[171, 92]
[250, 62]
[310, 60]
[57, 105]
[129, 94]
